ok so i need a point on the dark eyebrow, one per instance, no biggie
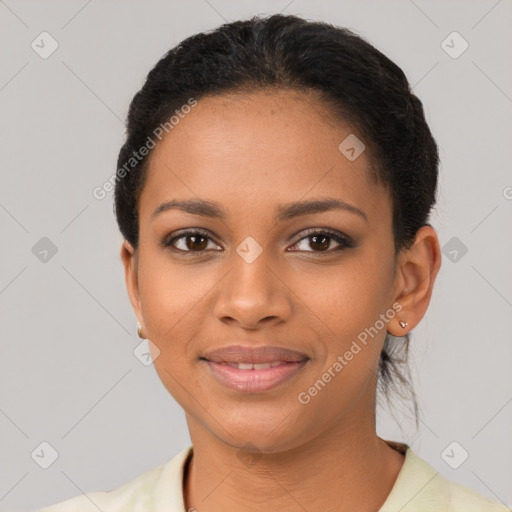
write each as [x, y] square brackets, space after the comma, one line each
[194, 206]
[291, 210]
[284, 212]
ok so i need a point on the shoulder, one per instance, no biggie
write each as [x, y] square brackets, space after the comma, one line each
[157, 489]
[421, 488]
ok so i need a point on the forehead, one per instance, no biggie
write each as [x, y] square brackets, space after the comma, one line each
[265, 146]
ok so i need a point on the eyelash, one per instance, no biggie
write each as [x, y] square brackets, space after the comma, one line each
[344, 241]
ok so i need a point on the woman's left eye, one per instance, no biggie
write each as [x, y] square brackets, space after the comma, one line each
[320, 241]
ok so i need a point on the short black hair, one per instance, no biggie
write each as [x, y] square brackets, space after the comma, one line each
[361, 86]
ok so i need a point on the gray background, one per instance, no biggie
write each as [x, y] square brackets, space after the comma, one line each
[68, 373]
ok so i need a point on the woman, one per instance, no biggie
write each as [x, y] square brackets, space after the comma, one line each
[274, 192]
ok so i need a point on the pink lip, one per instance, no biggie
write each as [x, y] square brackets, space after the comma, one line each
[222, 365]
[262, 354]
[254, 381]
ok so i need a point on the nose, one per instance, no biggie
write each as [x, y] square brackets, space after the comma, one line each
[253, 296]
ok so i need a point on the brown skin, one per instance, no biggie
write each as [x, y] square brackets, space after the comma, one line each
[251, 153]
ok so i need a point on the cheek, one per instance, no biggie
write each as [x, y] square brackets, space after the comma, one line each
[171, 295]
[174, 302]
[348, 297]
[349, 301]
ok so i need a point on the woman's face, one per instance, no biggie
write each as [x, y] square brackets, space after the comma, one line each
[258, 276]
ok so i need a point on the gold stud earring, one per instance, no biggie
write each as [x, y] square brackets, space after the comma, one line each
[403, 325]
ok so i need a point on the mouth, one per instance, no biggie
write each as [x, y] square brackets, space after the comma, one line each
[254, 369]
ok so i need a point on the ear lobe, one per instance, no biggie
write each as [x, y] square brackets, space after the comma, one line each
[418, 268]
[129, 259]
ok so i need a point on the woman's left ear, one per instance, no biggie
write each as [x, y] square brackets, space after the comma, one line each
[417, 268]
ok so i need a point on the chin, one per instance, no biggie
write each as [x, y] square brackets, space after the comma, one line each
[260, 430]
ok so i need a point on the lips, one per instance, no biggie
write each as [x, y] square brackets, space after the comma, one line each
[240, 355]
[254, 369]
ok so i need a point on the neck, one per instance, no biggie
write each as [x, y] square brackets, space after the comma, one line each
[347, 468]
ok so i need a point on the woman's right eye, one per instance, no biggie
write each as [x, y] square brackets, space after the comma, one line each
[190, 241]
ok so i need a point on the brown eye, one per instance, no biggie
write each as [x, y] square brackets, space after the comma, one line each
[190, 241]
[196, 242]
[320, 241]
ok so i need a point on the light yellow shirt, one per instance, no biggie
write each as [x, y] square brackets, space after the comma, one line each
[418, 488]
